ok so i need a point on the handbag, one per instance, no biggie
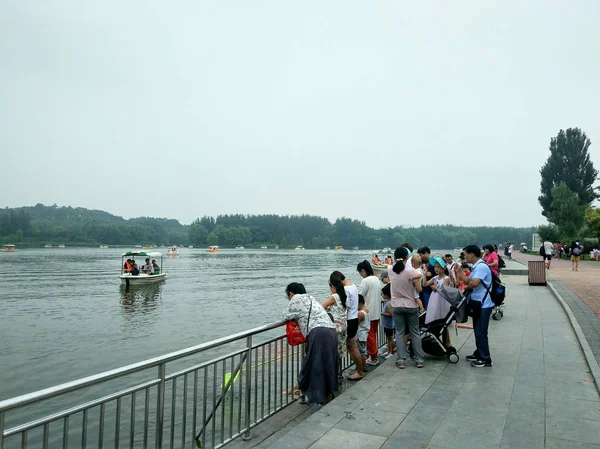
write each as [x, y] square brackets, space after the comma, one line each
[293, 331]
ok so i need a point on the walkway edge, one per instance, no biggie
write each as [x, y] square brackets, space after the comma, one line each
[585, 346]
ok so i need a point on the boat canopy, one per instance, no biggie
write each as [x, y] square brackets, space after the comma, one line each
[9, 246]
[142, 253]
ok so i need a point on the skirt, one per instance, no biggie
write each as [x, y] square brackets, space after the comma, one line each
[319, 373]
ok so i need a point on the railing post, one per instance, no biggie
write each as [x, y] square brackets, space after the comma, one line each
[247, 436]
[1, 430]
[160, 405]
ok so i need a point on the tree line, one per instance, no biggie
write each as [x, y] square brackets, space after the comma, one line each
[37, 225]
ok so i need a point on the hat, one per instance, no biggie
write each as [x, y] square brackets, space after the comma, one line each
[384, 275]
[438, 260]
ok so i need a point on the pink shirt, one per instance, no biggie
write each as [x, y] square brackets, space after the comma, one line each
[490, 259]
[402, 288]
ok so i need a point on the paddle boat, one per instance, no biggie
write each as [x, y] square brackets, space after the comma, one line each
[103, 246]
[173, 251]
[299, 248]
[263, 247]
[191, 247]
[212, 249]
[239, 247]
[148, 247]
[47, 245]
[128, 278]
[9, 248]
[338, 248]
[62, 245]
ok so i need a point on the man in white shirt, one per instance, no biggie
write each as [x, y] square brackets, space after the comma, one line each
[548, 253]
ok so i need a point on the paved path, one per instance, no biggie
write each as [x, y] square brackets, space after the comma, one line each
[539, 394]
[581, 291]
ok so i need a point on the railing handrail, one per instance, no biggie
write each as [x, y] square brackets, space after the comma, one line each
[66, 387]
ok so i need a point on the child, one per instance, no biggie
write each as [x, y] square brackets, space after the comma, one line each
[364, 325]
[387, 319]
[416, 264]
[438, 306]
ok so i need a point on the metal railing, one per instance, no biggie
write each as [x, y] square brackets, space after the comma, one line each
[206, 395]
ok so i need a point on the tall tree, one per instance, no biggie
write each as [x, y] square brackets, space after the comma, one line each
[566, 212]
[569, 162]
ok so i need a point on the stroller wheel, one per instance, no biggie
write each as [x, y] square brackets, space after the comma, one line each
[497, 315]
[453, 357]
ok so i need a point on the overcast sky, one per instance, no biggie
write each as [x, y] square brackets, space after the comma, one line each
[391, 112]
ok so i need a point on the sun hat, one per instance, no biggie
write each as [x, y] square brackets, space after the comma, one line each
[438, 260]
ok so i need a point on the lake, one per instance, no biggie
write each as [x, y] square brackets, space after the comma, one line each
[66, 316]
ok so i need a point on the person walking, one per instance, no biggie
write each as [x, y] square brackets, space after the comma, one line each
[478, 284]
[370, 288]
[490, 256]
[318, 378]
[576, 250]
[548, 252]
[404, 306]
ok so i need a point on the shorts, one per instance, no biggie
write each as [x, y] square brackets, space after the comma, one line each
[548, 257]
[388, 332]
[575, 258]
[362, 347]
[352, 328]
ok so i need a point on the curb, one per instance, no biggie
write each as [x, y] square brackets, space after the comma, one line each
[585, 346]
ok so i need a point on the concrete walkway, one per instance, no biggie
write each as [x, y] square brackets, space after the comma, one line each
[539, 394]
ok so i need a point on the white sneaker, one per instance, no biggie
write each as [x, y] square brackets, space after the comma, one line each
[387, 356]
[384, 354]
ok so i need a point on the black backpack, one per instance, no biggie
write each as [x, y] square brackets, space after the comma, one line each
[497, 290]
[501, 263]
[542, 250]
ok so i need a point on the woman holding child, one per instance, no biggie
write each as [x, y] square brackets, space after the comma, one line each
[403, 280]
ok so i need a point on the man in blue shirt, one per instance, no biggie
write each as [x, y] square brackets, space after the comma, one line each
[480, 302]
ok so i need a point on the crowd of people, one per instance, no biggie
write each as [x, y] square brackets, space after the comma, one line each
[405, 296]
[130, 266]
[574, 251]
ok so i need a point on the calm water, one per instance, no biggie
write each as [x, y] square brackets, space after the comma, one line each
[64, 314]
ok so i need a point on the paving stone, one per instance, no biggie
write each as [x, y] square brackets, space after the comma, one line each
[559, 443]
[371, 421]
[337, 438]
[570, 428]
[524, 433]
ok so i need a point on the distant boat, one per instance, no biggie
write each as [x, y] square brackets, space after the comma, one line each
[263, 247]
[338, 248]
[173, 251]
[276, 247]
[148, 246]
[239, 247]
[190, 247]
[103, 246]
[47, 245]
[9, 248]
[328, 247]
[138, 246]
[355, 247]
[212, 249]
[62, 245]
[300, 248]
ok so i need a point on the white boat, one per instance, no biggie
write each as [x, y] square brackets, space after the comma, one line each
[62, 245]
[128, 278]
[378, 269]
[138, 246]
[239, 247]
[212, 249]
[47, 245]
[173, 251]
[338, 248]
[9, 248]
[103, 246]
[355, 248]
[299, 248]
[263, 247]
[190, 247]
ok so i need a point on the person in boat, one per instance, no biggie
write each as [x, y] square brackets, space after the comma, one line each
[389, 261]
[134, 269]
[376, 260]
[147, 267]
[127, 267]
[155, 267]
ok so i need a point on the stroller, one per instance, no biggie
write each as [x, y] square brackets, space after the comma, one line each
[432, 334]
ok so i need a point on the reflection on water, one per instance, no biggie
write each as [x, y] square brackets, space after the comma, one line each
[140, 298]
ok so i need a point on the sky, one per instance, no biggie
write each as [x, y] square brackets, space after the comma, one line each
[390, 112]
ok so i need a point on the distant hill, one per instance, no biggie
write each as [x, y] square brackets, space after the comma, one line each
[37, 225]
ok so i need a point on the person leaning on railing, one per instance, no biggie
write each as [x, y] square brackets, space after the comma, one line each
[318, 378]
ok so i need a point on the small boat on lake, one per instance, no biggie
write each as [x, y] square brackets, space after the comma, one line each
[190, 247]
[173, 251]
[355, 248]
[212, 249]
[338, 248]
[9, 248]
[47, 245]
[62, 245]
[239, 247]
[263, 247]
[103, 246]
[138, 246]
[148, 247]
[299, 248]
[378, 269]
[129, 278]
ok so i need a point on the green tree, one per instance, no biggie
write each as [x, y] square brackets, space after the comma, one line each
[569, 162]
[566, 211]
[548, 232]
[592, 221]
[197, 234]
[212, 239]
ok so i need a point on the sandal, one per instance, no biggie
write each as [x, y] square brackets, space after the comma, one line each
[355, 376]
